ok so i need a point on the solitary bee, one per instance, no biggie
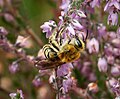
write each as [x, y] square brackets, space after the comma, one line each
[58, 52]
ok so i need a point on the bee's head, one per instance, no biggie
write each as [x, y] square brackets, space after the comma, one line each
[80, 43]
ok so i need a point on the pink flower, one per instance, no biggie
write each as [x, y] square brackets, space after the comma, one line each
[94, 3]
[113, 18]
[110, 59]
[3, 31]
[64, 70]
[17, 95]
[14, 67]
[112, 3]
[93, 46]
[37, 81]
[67, 84]
[102, 65]
[65, 5]
[47, 27]
[115, 71]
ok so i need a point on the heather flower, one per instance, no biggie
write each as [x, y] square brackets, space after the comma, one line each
[101, 30]
[8, 17]
[65, 5]
[81, 14]
[3, 31]
[93, 46]
[23, 42]
[112, 3]
[64, 70]
[110, 59]
[115, 71]
[116, 51]
[77, 25]
[17, 95]
[108, 49]
[37, 81]
[112, 6]
[116, 88]
[14, 67]
[111, 36]
[116, 42]
[67, 84]
[113, 18]
[47, 27]
[102, 65]
[94, 3]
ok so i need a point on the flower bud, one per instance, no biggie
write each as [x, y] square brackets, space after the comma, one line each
[115, 71]
[102, 65]
[93, 46]
[93, 87]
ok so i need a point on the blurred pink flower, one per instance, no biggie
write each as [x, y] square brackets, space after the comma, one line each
[3, 31]
[94, 3]
[14, 67]
[115, 71]
[23, 42]
[17, 95]
[110, 59]
[93, 46]
[37, 81]
[65, 5]
[102, 65]
[113, 18]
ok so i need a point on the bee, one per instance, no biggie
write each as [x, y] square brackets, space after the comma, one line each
[58, 52]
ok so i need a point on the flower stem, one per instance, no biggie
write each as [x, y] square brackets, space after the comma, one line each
[57, 85]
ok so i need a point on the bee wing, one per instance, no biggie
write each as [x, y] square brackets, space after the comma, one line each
[47, 64]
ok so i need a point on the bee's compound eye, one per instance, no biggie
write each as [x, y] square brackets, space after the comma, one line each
[79, 44]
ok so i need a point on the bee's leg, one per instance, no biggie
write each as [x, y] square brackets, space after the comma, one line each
[49, 51]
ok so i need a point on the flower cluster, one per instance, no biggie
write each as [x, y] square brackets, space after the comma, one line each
[113, 7]
[17, 95]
